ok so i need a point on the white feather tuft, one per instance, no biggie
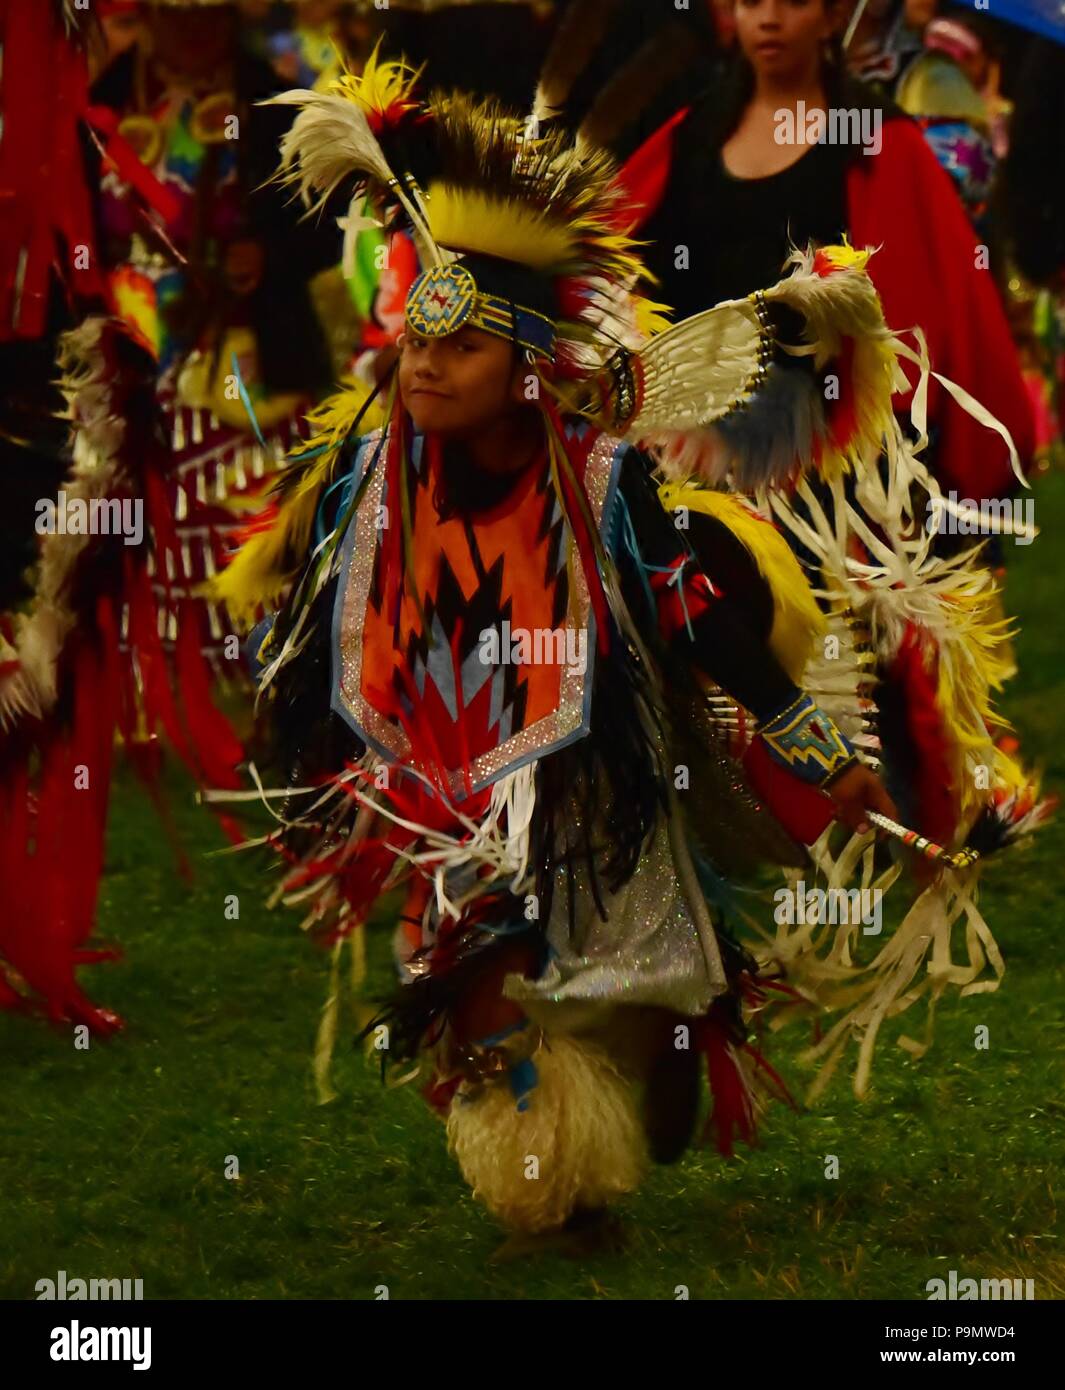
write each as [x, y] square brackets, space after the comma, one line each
[329, 141]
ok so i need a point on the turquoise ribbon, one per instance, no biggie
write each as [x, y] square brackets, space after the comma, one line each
[246, 401]
[643, 569]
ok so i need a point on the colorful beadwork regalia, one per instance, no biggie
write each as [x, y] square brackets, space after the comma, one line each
[114, 641]
[82, 660]
[551, 718]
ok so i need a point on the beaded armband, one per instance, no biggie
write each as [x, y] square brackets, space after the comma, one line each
[803, 739]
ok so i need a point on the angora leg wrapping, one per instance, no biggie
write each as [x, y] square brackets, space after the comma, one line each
[582, 1129]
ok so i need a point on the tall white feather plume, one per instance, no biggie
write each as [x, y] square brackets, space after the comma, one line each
[331, 141]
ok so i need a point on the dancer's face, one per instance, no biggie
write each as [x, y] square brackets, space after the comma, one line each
[783, 38]
[460, 384]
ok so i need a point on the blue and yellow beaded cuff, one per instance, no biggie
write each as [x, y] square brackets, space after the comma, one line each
[446, 298]
[804, 739]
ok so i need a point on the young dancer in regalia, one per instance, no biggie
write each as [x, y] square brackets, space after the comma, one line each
[557, 705]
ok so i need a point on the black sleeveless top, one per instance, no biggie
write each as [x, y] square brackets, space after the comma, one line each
[738, 232]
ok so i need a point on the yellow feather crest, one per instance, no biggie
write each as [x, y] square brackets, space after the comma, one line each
[475, 221]
[846, 256]
[651, 318]
[533, 198]
[382, 89]
[965, 688]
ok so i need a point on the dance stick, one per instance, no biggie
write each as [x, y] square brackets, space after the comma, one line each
[962, 860]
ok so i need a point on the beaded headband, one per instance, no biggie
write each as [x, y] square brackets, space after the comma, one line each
[445, 299]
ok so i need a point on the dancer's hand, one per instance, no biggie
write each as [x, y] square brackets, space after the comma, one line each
[856, 792]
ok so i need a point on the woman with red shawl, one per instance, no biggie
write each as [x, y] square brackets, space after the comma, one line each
[734, 180]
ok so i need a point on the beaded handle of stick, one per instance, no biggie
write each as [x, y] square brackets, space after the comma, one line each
[962, 860]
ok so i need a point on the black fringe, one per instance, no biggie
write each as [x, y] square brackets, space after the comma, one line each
[417, 1010]
[610, 784]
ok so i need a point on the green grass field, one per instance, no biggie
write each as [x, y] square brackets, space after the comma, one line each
[112, 1160]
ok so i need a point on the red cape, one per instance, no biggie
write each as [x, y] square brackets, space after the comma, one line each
[926, 273]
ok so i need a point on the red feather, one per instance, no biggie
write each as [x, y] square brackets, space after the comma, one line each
[644, 177]
[217, 749]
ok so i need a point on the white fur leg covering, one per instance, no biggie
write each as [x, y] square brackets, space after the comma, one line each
[579, 1144]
